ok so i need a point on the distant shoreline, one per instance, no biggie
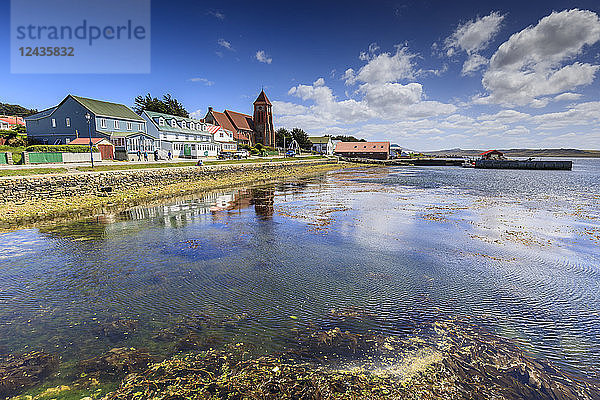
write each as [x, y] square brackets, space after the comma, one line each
[520, 153]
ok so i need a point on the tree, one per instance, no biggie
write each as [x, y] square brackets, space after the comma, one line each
[302, 138]
[167, 105]
[280, 134]
[13, 110]
[344, 138]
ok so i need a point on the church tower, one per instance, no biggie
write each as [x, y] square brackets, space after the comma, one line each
[263, 121]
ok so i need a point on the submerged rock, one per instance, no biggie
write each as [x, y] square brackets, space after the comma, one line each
[118, 330]
[117, 361]
[194, 341]
[21, 372]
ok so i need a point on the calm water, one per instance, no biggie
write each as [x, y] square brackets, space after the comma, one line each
[517, 252]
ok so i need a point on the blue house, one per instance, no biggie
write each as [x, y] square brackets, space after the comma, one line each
[69, 120]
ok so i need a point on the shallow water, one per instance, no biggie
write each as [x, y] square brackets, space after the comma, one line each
[516, 252]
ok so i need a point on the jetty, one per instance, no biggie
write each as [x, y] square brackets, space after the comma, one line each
[524, 164]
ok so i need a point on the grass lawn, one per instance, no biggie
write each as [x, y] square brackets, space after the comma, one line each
[126, 166]
[31, 171]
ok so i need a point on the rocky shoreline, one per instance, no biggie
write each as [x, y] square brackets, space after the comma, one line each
[30, 200]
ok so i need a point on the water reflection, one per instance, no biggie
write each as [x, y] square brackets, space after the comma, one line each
[406, 247]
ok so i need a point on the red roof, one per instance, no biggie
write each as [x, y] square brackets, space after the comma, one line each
[492, 152]
[241, 122]
[12, 120]
[362, 147]
[86, 141]
[222, 120]
[262, 98]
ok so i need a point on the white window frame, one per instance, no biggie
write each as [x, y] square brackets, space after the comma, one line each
[116, 124]
[103, 123]
[173, 123]
[68, 122]
[54, 122]
[161, 121]
[129, 126]
[142, 127]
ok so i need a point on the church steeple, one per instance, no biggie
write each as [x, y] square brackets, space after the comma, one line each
[263, 120]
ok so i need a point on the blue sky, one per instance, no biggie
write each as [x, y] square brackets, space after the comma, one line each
[424, 74]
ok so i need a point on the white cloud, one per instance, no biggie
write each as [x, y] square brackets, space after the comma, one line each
[474, 63]
[281, 108]
[263, 57]
[198, 114]
[224, 43]
[202, 80]
[578, 114]
[370, 53]
[568, 96]
[385, 67]
[504, 116]
[217, 14]
[474, 35]
[530, 65]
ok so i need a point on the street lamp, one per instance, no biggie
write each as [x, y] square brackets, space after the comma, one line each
[89, 117]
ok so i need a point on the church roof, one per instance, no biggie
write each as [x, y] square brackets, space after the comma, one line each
[223, 121]
[262, 98]
[239, 120]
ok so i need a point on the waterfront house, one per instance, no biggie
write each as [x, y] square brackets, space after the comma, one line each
[224, 138]
[321, 144]
[492, 155]
[69, 120]
[10, 122]
[375, 150]
[105, 147]
[183, 137]
[239, 124]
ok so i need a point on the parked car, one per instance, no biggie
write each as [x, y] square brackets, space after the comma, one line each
[290, 153]
[241, 154]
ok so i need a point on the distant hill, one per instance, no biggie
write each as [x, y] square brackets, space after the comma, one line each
[15, 110]
[519, 153]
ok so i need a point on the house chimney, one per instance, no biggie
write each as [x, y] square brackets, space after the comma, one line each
[209, 109]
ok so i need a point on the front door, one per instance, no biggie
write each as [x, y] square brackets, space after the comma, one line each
[187, 150]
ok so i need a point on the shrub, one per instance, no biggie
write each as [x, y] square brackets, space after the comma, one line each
[49, 148]
[259, 146]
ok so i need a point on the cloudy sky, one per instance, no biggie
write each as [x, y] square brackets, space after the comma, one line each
[427, 75]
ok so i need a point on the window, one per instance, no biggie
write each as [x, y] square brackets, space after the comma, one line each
[68, 122]
[67, 140]
[53, 122]
[173, 123]
[161, 121]
[103, 123]
[116, 124]
[129, 126]
[142, 127]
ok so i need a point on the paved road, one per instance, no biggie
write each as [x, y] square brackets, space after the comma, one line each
[97, 163]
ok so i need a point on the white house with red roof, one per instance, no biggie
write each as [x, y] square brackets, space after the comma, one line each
[8, 122]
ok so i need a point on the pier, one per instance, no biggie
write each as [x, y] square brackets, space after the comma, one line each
[524, 164]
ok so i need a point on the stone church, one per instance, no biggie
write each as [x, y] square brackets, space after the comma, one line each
[247, 129]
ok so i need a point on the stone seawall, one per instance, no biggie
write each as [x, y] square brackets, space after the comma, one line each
[42, 187]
